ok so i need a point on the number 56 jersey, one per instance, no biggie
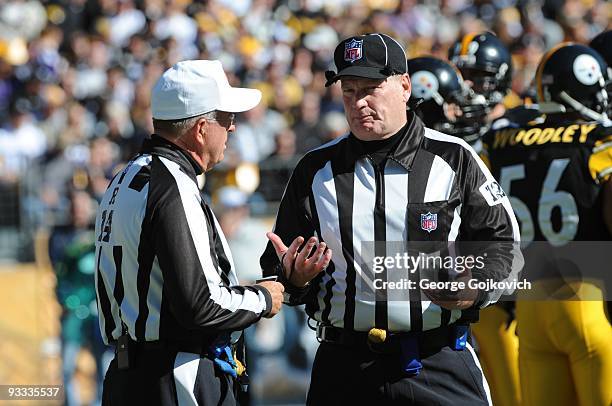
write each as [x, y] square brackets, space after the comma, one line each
[553, 173]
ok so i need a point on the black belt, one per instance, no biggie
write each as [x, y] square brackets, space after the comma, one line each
[429, 341]
[195, 348]
[201, 348]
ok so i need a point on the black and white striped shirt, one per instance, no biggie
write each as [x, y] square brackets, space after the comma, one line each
[164, 269]
[338, 194]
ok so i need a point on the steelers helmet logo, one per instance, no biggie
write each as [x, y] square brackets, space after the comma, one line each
[424, 84]
[586, 69]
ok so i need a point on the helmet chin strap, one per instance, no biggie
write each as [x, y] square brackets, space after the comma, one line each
[584, 110]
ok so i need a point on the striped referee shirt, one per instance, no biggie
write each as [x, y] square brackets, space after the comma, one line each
[164, 269]
[340, 195]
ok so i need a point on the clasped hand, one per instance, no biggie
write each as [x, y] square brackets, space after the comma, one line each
[301, 262]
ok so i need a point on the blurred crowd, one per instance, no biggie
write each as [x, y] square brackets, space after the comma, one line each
[75, 77]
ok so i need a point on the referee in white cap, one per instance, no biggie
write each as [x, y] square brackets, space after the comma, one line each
[168, 295]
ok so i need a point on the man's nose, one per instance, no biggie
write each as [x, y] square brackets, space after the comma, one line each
[360, 102]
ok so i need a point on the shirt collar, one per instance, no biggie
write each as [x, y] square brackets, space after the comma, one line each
[157, 145]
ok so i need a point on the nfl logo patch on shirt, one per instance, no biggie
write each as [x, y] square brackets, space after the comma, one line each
[429, 221]
[353, 50]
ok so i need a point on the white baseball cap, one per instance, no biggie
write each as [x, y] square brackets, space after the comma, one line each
[191, 88]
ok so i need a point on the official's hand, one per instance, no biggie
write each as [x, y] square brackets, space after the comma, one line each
[276, 291]
[452, 300]
[301, 266]
[466, 300]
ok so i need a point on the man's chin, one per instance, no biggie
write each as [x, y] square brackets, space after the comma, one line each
[215, 162]
[365, 132]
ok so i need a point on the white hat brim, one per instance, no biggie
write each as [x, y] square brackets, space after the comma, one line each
[238, 99]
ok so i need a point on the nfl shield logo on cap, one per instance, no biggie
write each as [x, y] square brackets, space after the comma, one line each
[353, 50]
[429, 222]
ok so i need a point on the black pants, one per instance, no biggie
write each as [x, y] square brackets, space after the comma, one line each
[165, 377]
[345, 375]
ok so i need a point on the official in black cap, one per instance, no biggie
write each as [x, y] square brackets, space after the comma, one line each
[387, 189]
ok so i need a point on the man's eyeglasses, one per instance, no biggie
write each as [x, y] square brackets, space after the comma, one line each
[224, 118]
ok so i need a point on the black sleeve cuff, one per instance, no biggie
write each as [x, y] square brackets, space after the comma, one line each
[268, 297]
[481, 298]
[293, 295]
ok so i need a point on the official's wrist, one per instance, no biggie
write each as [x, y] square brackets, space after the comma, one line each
[298, 285]
[291, 287]
[288, 277]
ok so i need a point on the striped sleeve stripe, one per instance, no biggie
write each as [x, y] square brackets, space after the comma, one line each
[225, 251]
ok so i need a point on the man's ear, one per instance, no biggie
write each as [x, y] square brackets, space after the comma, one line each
[407, 86]
[202, 129]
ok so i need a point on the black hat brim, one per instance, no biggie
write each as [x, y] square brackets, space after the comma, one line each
[367, 72]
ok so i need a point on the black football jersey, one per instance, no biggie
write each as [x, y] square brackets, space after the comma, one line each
[552, 173]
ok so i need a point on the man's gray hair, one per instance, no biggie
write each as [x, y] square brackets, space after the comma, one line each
[178, 128]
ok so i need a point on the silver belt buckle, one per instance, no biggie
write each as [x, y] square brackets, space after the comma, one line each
[320, 332]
